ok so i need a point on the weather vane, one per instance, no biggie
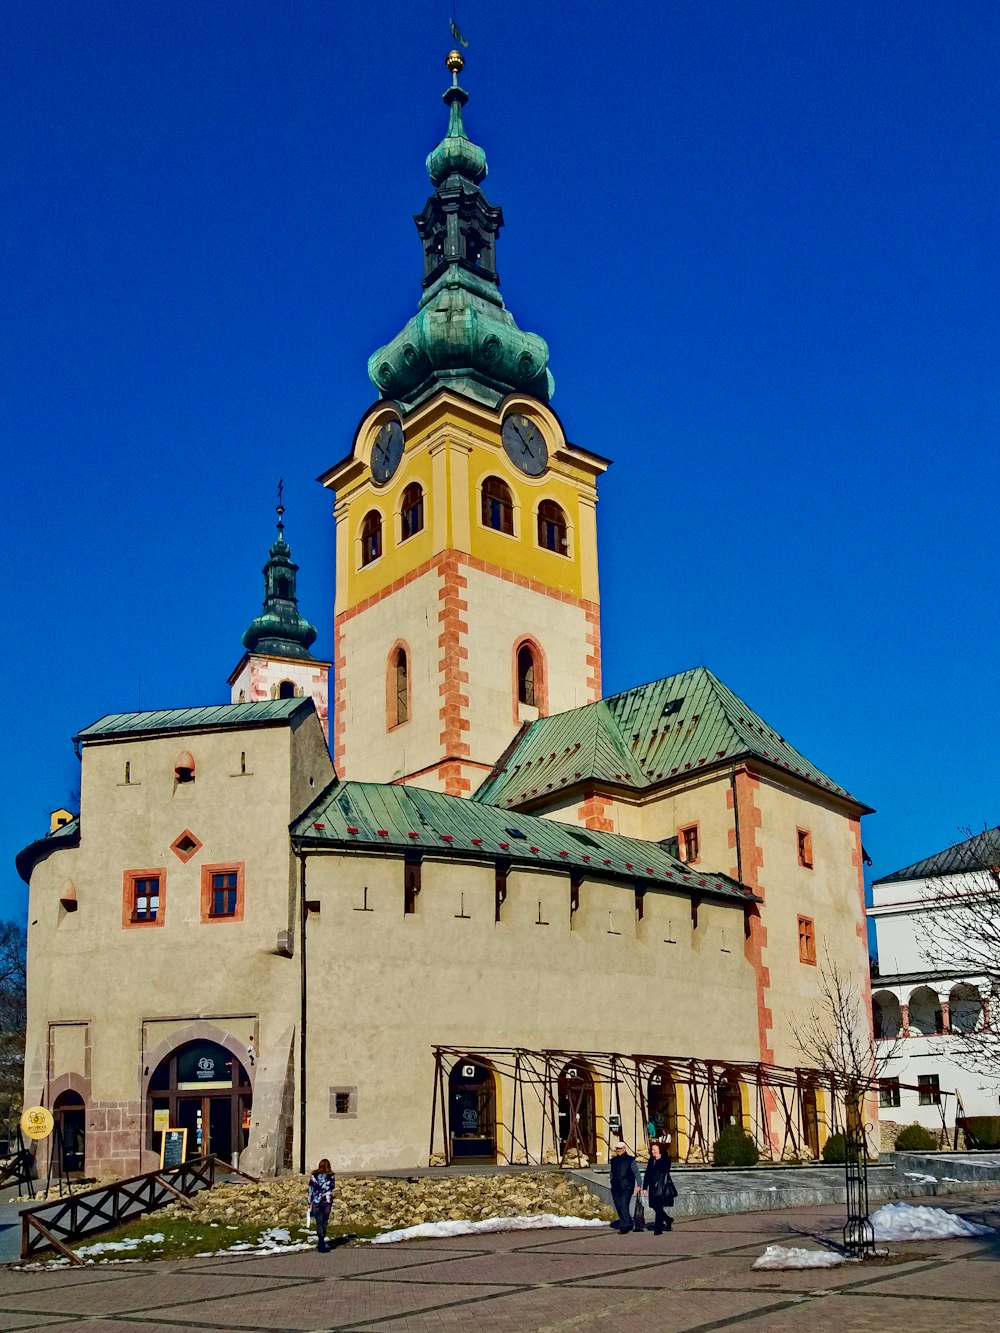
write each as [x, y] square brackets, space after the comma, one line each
[280, 509]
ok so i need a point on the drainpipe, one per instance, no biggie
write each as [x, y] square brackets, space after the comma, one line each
[303, 1008]
[736, 816]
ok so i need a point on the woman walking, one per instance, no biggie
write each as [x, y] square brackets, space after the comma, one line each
[658, 1186]
[322, 1184]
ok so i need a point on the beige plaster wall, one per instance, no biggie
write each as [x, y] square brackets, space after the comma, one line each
[409, 614]
[391, 986]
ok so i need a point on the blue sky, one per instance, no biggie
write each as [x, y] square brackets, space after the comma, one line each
[760, 239]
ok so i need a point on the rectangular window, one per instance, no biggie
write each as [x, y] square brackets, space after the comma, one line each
[411, 886]
[929, 1090]
[807, 940]
[687, 841]
[805, 847]
[222, 892]
[344, 1102]
[143, 897]
[888, 1092]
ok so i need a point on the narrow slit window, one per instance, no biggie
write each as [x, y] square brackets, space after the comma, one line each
[807, 940]
[401, 689]
[527, 683]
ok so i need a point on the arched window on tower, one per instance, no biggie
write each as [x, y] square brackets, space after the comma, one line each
[286, 690]
[371, 537]
[412, 518]
[552, 528]
[398, 688]
[282, 587]
[498, 506]
[527, 676]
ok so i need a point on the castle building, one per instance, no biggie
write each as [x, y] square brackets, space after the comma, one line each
[430, 945]
[930, 1010]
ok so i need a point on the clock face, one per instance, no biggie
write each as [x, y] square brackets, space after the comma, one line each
[387, 450]
[525, 444]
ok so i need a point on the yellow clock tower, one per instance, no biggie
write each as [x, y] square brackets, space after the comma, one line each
[467, 597]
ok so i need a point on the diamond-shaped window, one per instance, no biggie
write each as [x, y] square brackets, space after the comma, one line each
[185, 845]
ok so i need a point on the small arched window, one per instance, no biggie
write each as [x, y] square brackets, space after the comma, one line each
[399, 683]
[286, 690]
[413, 511]
[527, 673]
[498, 506]
[371, 537]
[552, 528]
[282, 587]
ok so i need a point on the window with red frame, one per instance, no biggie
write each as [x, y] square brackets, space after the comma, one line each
[807, 940]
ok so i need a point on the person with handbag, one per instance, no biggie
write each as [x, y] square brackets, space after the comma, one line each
[626, 1183]
[658, 1186]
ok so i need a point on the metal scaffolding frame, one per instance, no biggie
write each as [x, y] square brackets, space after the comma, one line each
[772, 1101]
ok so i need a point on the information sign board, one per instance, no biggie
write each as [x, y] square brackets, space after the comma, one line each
[37, 1122]
[173, 1147]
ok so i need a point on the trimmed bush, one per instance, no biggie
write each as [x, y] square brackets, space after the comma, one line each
[734, 1147]
[835, 1149]
[914, 1138]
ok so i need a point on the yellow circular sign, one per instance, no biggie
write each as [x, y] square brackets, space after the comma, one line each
[37, 1122]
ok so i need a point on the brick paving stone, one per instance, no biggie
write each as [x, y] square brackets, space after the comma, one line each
[965, 1279]
[344, 1261]
[14, 1321]
[570, 1309]
[862, 1314]
[134, 1291]
[315, 1305]
[518, 1269]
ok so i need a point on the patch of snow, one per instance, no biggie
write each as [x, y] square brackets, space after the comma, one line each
[780, 1256]
[907, 1221]
[111, 1246]
[437, 1230]
[924, 1180]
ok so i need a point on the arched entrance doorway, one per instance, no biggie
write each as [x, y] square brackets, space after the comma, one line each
[661, 1106]
[810, 1119]
[472, 1112]
[70, 1115]
[729, 1101]
[577, 1115]
[203, 1088]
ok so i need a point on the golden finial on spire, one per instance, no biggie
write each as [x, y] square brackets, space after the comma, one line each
[454, 62]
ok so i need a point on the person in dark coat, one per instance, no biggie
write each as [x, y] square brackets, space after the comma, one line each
[626, 1182]
[322, 1184]
[658, 1186]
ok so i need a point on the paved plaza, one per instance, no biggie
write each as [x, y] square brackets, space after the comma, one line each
[696, 1278]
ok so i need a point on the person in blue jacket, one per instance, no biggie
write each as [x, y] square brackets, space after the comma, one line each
[626, 1182]
[322, 1184]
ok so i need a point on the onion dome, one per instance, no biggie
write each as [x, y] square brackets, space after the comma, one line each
[462, 336]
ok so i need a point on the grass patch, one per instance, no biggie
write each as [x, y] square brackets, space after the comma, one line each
[184, 1237]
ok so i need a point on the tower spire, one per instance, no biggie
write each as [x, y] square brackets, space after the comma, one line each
[462, 336]
[279, 630]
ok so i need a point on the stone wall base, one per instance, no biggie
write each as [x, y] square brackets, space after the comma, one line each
[114, 1139]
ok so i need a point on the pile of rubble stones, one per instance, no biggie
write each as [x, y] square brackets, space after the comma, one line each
[381, 1203]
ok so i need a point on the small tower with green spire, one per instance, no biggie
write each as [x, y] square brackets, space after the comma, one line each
[278, 663]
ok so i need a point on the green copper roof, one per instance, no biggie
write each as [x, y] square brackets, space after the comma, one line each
[374, 816]
[462, 336]
[269, 713]
[279, 631]
[642, 738]
[979, 852]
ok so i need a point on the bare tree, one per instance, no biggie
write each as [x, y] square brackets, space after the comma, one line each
[962, 942]
[13, 982]
[836, 1036]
